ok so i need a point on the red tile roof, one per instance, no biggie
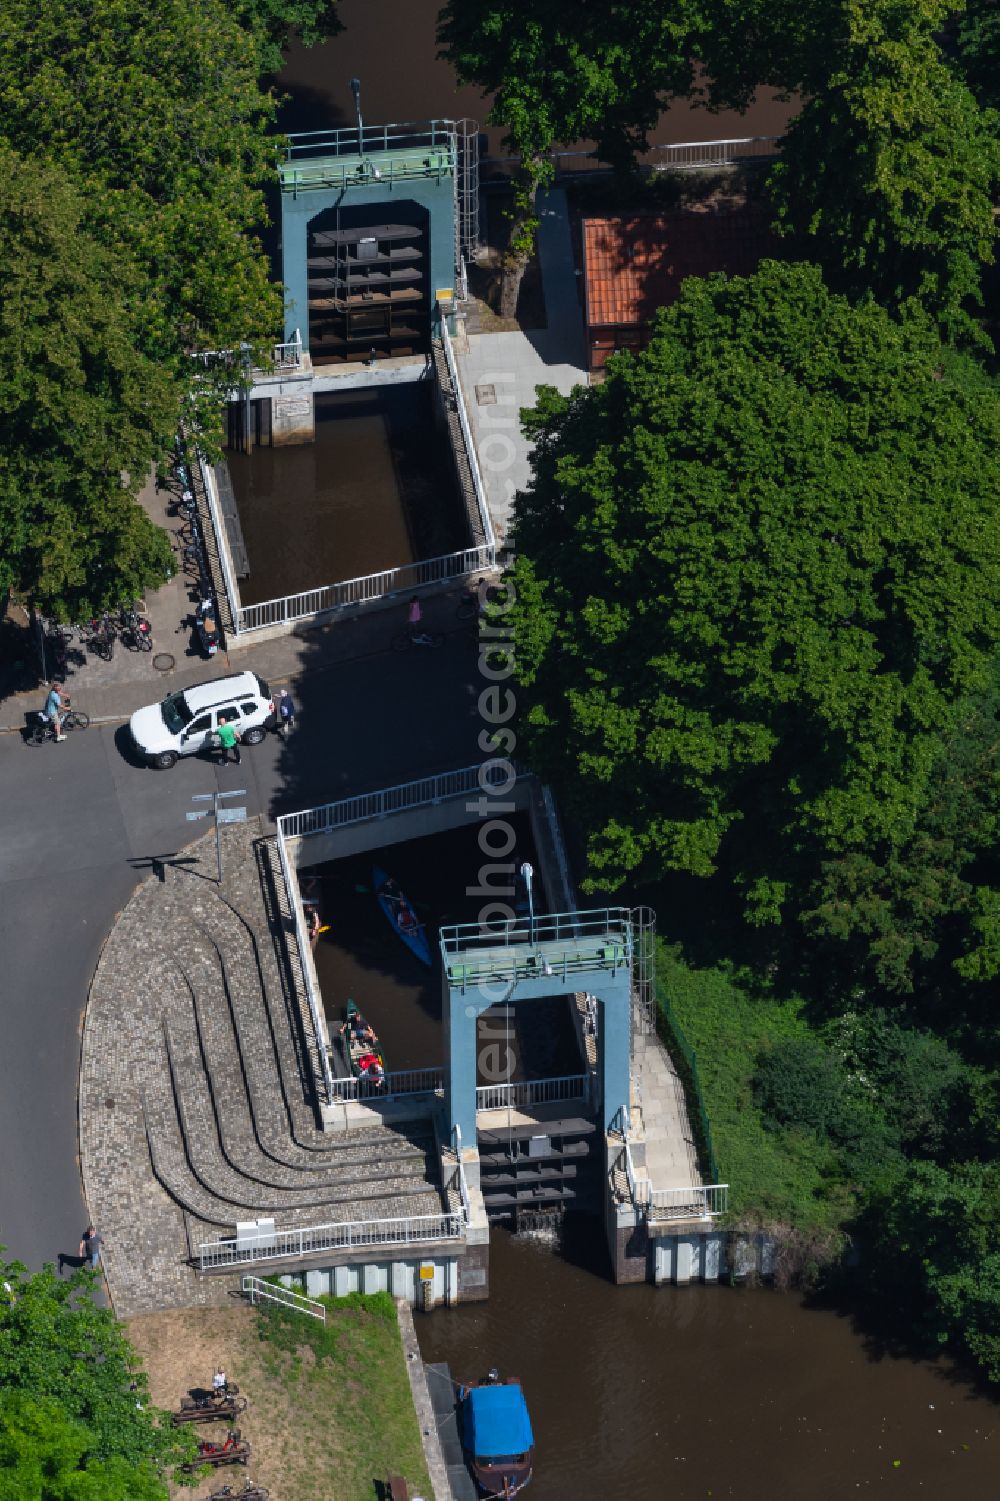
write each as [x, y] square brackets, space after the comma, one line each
[632, 266]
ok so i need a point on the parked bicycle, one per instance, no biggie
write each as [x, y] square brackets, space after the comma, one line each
[101, 637]
[44, 729]
[405, 639]
[136, 633]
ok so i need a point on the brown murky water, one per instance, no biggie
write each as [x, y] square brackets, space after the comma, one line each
[640, 1393]
[375, 490]
[390, 46]
[362, 958]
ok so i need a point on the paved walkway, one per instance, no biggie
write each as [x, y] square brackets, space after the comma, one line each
[659, 1108]
[500, 372]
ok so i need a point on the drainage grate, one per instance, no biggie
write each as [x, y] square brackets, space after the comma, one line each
[486, 396]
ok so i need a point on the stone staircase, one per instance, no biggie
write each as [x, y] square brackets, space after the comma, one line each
[194, 1113]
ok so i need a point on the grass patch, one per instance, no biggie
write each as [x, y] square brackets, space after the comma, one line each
[788, 1177]
[348, 1382]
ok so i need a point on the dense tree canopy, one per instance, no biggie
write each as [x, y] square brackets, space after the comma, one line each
[81, 403]
[272, 22]
[80, 1385]
[129, 196]
[887, 175]
[46, 1456]
[757, 570]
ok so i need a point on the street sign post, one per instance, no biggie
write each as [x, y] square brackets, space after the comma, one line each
[221, 816]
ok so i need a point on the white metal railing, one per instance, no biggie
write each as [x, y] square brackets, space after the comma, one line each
[343, 1235]
[272, 1292]
[698, 1201]
[285, 356]
[306, 965]
[425, 791]
[463, 1186]
[221, 540]
[365, 589]
[681, 154]
[407, 1081]
[288, 356]
[470, 447]
[566, 944]
[531, 1092]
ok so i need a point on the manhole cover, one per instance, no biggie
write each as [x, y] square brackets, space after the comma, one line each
[163, 661]
[486, 396]
[109, 1103]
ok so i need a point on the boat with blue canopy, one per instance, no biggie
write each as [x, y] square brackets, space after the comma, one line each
[399, 910]
[496, 1432]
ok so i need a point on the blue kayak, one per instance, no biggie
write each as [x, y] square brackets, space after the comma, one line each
[402, 918]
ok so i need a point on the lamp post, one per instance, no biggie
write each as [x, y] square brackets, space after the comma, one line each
[356, 91]
[527, 872]
[221, 816]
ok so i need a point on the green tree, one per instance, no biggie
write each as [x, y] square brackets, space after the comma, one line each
[80, 404]
[756, 570]
[272, 22]
[560, 72]
[169, 157]
[908, 910]
[58, 1347]
[46, 1456]
[887, 175]
[933, 1254]
[974, 43]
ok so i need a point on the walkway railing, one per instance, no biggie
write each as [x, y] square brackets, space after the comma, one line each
[221, 538]
[308, 972]
[559, 943]
[531, 1092]
[702, 1201]
[669, 156]
[259, 1291]
[486, 521]
[425, 791]
[407, 577]
[463, 1186]
[408, 1081]
[346, 141]
[344, 1235]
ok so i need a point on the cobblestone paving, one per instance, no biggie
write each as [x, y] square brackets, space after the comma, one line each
[193, 1109]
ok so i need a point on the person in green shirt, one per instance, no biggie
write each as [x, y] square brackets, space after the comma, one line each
[230, 741]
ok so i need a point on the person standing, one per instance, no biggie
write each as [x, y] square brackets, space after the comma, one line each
[286, 713]
[54, 705]
[90, 1246]
[230, 741]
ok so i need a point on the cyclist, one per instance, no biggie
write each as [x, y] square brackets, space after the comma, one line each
[54, 705]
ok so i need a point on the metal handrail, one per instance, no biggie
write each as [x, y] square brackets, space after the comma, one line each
[221, 541]
[256, 1290]
[531, 1092]
[305, 964]
[710, 151]
[408, 1081]
[470, 447]
[344, 140]
[366, 588]
[700, 1200]
[281, 1245]
[396, 799]
[549, 927]
[463, 1186]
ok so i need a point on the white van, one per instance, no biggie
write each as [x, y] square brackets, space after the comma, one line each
[182, 723]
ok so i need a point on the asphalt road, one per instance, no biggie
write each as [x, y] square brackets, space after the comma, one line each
[81, 822]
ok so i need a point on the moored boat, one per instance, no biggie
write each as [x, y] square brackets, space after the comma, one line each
[362, 1049]
[399, 910]
[496, 1434]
